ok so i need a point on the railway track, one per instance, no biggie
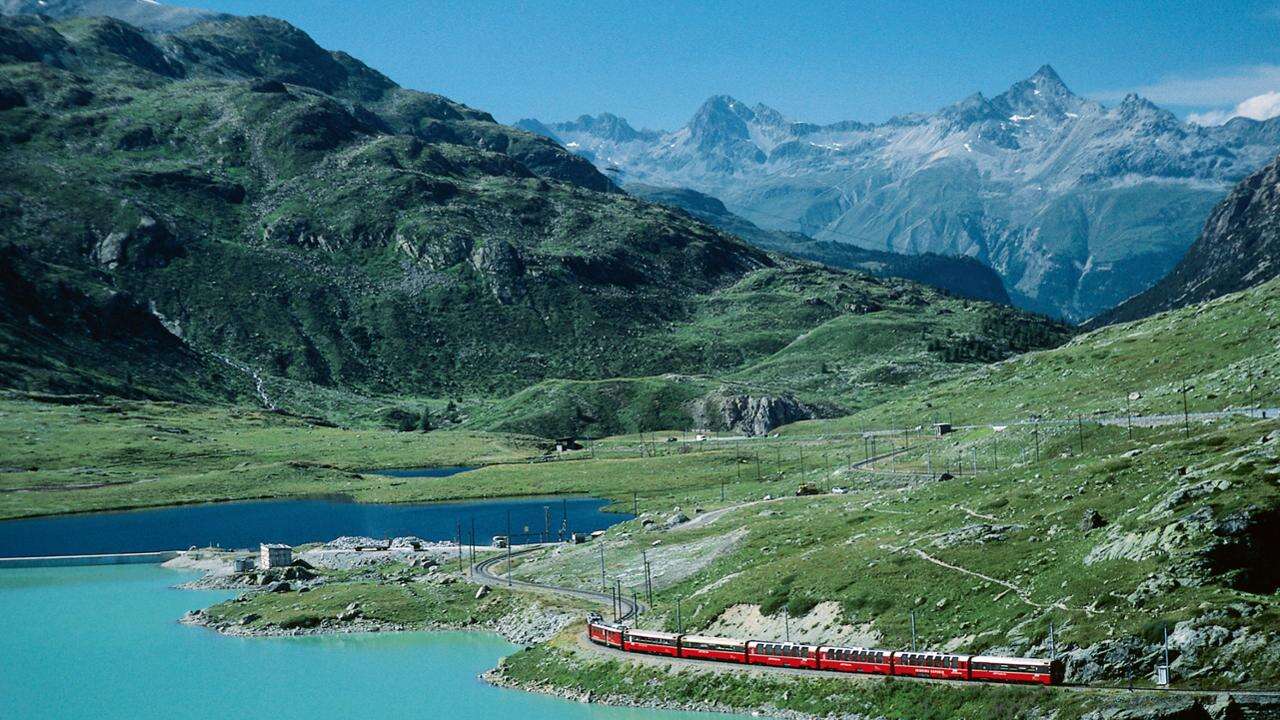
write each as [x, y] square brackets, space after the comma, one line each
[486, 572]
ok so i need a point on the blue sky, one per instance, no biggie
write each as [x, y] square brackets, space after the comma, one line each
[655, 61]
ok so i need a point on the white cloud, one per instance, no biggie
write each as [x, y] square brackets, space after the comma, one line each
[1224, 89]
[1258, 107]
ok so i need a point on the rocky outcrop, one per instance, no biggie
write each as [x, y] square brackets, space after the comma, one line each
[502, 269]
[149, 244]
[749, 415]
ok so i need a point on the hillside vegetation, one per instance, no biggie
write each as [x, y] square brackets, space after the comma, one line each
[292, 215]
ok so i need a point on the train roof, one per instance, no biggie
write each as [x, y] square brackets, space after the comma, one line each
[787, 643]
[654, 633]
[1009, 660]
[713, 640]
[854, 648]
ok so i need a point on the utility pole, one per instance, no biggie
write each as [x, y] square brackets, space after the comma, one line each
[510, 540]
[648, 582]
[604, 585]
[1186, 421]
[459, 529]
[786, 623]
[1051, 648]
[1128, 411]
[679, 620]
[1080, 431]
[617, 592]
[757, 466]
[1037, 434]
[473, 543]
[1166, 646]
[913, 631]
[546, 523]
[635, 503]
[721, 489]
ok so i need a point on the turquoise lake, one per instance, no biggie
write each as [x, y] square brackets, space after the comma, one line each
[104, 642]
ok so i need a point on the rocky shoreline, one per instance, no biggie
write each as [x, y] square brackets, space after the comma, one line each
[498, 678]
[1220, 706]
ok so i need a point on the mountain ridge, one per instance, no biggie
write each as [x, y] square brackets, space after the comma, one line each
[961, 276]
[1077, 205]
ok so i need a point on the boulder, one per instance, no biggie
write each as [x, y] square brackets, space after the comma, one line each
[149, 244]
[409, 542]
[296, 572]
[676, 518]
[482, 591]
[351, 612]
[1092, 520]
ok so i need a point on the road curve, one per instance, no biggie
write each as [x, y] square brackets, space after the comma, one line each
[485, 573]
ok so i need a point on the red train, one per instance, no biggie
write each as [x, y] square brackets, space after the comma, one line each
[942, 666]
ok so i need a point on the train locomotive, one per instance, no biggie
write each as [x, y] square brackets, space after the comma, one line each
[871, 661]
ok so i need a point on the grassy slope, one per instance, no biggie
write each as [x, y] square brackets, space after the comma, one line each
[843, 358]
[60, 458]
[1225, 350]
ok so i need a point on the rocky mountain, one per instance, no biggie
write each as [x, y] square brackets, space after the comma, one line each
[278, 210]
[1238, 249]
[1076, 205]
[145, 14]
[962, 276]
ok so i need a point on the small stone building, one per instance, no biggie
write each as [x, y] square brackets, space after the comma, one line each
[274, 555]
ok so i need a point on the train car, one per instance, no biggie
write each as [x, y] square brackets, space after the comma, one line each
[939, 666]
[700, 647]
[652, 642]
[856, 660]
[782, 654]
[602, 633]
[1015, 670]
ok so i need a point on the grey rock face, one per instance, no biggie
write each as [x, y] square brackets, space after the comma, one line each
[148, 244]
[502, 269]
[1075, 204]
[747, 414]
